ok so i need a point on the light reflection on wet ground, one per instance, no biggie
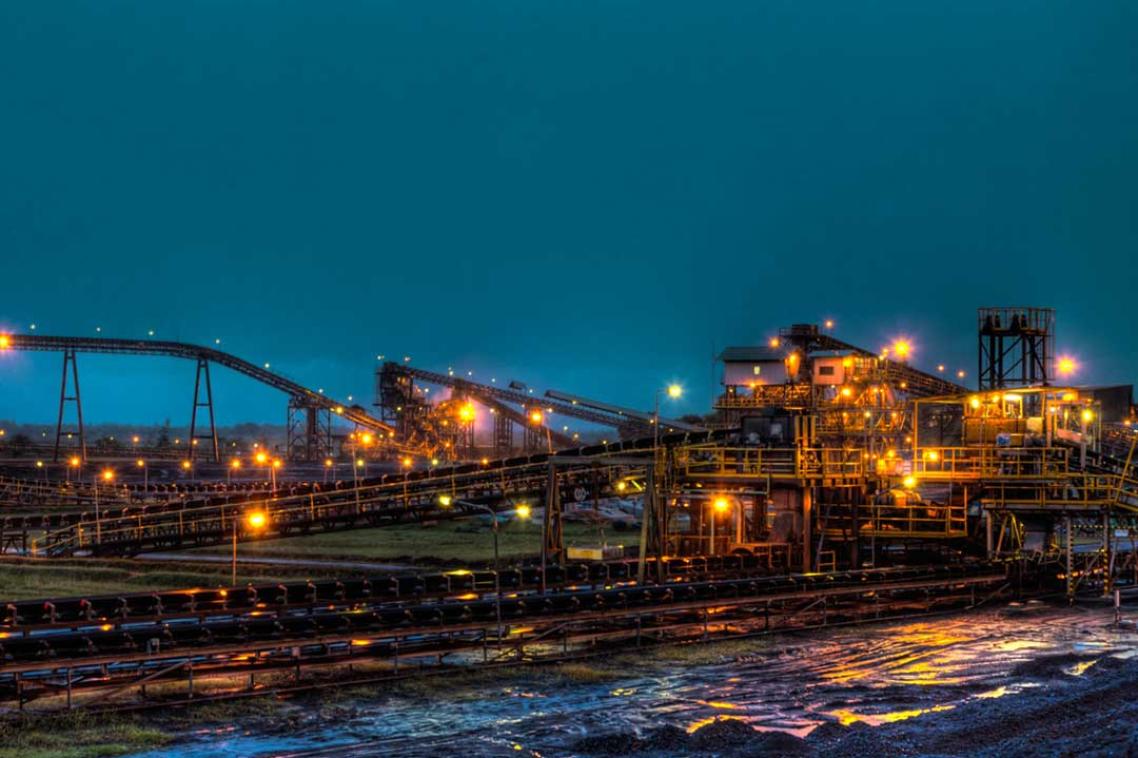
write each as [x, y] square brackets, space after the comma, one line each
[872, 674]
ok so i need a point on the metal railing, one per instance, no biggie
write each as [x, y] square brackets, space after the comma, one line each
[987, 462]
[789, 463]
[920, 520]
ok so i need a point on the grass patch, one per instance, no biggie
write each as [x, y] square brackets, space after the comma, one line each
[26, 579]
[463, 542]
[79, 735]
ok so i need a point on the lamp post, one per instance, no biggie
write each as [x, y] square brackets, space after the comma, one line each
[234, 465]
[74, 462]
[277, 463]
[523, 512]
[255, 521]
[262, 459]
[536, 417]
[108, 476]
[145, 477]
[329, 466]
[674, 391]
[718, 505]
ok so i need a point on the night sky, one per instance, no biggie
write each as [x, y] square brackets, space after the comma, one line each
[592, 196]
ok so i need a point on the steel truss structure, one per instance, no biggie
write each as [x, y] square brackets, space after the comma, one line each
[299, 396]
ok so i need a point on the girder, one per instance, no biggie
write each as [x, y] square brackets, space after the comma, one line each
[71, 345]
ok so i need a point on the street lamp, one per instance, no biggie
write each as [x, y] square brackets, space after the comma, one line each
[675, 392]
[145, 476]
[234, 465]
[108, 476]
[329, 466]
[188, 467]
[255, 521]
[277, 463]
[718, 505]
[536, 417]
[74, 462]
[523, 512]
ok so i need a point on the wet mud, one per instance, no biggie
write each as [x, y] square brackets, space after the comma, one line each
[1017, 680]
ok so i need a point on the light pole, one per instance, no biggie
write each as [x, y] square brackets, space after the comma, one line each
[523, 512]
[234, 465]
[277, 463]
[675, 392]
[536, 417]
[145, 477]
[329, 466]
[255, 520]
[718, 505]
[188, 467]
[107, 476]
[263, 460]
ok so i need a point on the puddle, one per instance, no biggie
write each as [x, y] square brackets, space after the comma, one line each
[869, 674]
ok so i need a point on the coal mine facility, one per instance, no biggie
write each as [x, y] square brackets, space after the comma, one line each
[829, 485]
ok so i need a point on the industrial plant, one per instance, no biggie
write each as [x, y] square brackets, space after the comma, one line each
[829, 484]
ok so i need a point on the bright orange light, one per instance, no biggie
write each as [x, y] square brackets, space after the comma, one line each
[536, 416]
[277, 463]
[5, 342]
[902, 348]
[1066, 365]
[260, 458]
[523, 511]
[909, 482]
[466, 412]
[846, 392]
[256, 519]
[140, 463]
[407, 462]
[108, 475]
[829, 323]
[74, 461]
[135, 439]
[186, 465]
[327, 463]
[675, 391]
[721, 504]
[235, 464]
[774, 342]
[366, 439]
[485, 461]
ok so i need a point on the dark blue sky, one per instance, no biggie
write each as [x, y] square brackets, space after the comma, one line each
[588, 195]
